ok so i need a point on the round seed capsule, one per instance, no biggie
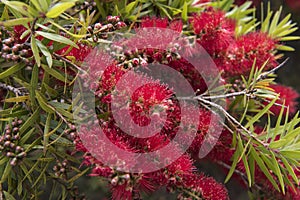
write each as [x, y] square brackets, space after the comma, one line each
[13, 162]
[7, 143]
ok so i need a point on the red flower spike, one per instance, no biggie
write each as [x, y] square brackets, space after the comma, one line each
[79, 54]
[287, 96]
[175, 25]
[18, 31]
[239, 58]
[203, 186]
[215, 31]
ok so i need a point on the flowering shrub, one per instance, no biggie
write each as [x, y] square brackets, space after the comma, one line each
[100, 89]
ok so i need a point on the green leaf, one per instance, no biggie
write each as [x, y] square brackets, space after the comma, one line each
[290, 170]
[18, 6]
[59, 8]
[63, 155]
[36, 5]
[236, 156]
[46, 131]
[263, 167]
[3, 160]
[54, 73]
[26, 136]
[284, 48]
[43, 103]
[130, 6]
[12, 70]
[8, 196]
[184, 13]
[291, 154]
[19, 189]
[42, 173]
[25, 34]
[275, 21]
[74, 178]
[46, 53]
[65, 30]
[35, 51]
[44, 5]
[289, 38]
[278, 172]
[34, 167]
[52, 92]
[291, 135]
[260, 114]
[278, 144]
[165, 12]
[6, 172]
[25, 170]
[17, 99]
[33, 85]
[18, 21]
[57, 38]
[252, 167]
[55, 129]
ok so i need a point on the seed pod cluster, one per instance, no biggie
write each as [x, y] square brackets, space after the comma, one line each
[86, 5]
[237, 86]
[101, 31]
[11, 49]
[71, 132]
[9, 142]
[60, 168]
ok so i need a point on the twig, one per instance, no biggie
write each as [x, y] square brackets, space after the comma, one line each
[244, 92]
[33, 25]
[11, 88]
[69, 62]
[265, 74]
[227, 115]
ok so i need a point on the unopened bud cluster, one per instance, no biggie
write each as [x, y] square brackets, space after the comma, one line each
[9, 142]
[86, 5]
[60, 169]
[71, 132]
[102, 31]
[238, 86]
[11, 49]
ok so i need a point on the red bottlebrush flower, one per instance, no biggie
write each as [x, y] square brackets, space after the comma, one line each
[176, 25]
[239, 59]
[287, 96]
[222, 151]
[190, 74]
[200, 185]
[18, 31]
[102, 171]
[79, 54]
[293, 4]
[181, 166]
[148, 22]
[215, 31]
[109, 78]
[121, 192]
[145, 98]
[155, 22]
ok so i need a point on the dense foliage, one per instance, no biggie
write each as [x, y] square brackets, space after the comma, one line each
[50, 139]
